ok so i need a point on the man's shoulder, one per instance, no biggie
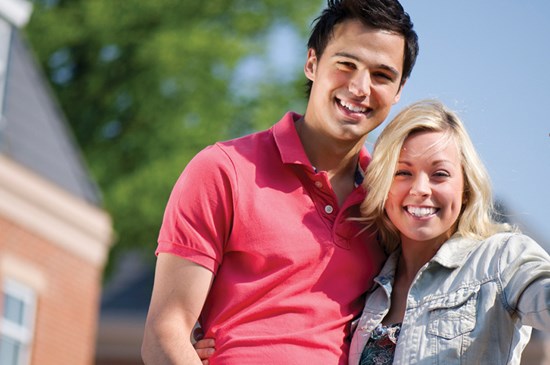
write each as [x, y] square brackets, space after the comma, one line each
[249, 146]
[262, 140]
[249, 139]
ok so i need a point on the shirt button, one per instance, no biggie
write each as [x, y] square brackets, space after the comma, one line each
[329, 209]
[319, 184]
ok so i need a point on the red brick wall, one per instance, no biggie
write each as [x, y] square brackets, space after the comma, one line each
[67, 310]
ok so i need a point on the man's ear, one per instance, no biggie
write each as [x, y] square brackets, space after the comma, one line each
[311, 64]
[398, 95]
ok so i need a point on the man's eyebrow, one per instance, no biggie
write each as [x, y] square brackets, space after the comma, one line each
[347, 55]
[390, 69]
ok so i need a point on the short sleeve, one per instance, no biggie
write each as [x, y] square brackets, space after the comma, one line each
[198, 216]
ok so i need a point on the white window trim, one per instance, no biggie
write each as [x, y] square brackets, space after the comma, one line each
[22, 333]
[5, 45]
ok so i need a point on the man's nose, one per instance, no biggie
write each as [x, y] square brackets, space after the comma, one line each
[360, 84]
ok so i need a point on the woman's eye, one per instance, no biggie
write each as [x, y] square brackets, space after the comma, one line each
[442, 174]
[402, 173]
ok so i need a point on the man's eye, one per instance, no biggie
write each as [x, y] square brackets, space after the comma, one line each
[346, 65]
[384, 76]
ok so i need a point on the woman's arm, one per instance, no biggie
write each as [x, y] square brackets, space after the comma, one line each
[525, 278]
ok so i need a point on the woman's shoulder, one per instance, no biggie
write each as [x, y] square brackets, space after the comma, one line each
[508, 247]
[510, 240]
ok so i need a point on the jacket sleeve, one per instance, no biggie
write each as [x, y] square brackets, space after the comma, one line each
[524, 268]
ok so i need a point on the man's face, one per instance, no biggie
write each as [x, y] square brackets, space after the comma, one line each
[355, 81]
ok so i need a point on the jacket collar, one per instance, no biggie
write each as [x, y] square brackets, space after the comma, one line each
[455, 251]
[452, 254]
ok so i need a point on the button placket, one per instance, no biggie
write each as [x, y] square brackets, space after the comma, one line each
[322, 192]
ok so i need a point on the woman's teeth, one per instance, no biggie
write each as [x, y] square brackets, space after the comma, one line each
[421, 211]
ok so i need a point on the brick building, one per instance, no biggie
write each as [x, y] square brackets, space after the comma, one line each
[54, 235]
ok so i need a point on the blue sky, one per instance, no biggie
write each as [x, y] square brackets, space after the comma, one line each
[490, 61]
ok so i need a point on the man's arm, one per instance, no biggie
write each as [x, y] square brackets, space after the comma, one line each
[179, 292]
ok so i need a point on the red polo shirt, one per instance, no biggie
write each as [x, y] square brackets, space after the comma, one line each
[290, 269]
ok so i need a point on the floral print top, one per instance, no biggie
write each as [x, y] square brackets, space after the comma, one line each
[380, 348]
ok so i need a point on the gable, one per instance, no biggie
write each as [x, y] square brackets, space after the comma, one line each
[33, 131]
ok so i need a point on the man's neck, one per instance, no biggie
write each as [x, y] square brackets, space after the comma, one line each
[338, 159]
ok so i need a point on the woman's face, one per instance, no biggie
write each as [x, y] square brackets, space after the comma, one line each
[425, 198]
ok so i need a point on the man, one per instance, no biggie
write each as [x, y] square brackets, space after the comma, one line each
[256, 237]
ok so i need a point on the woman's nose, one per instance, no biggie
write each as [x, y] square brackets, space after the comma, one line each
[420, 186]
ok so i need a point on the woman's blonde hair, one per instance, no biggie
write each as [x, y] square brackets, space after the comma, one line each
[476, 218]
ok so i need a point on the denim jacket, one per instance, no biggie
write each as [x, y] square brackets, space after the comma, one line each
[474, 302]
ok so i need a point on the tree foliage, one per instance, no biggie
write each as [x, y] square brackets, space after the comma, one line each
[147, 84]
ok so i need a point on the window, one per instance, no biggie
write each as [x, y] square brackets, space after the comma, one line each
[16, 323]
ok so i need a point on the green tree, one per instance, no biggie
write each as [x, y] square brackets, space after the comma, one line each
[147, 84]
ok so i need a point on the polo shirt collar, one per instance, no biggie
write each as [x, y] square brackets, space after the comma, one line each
[292, 151]
[288, 142]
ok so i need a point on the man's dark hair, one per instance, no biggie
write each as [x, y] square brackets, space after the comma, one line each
[379, 14]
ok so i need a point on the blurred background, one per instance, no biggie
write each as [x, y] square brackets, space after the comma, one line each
[103, 103]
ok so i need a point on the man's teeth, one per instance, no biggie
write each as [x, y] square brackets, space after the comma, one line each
[353, 108]
[421, 212]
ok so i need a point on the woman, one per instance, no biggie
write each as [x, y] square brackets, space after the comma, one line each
[458, 287]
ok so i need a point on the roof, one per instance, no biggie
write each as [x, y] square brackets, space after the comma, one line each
[34, 131]
[129, 288]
